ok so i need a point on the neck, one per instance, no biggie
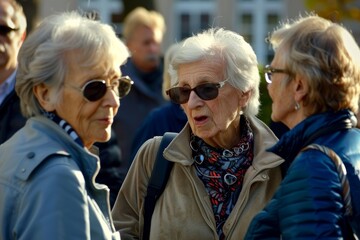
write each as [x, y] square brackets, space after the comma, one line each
[5, 74]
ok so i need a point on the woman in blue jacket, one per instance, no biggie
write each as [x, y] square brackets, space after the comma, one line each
[69, 84]
[314, 83]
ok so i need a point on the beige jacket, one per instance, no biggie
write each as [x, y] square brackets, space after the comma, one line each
[184, 210]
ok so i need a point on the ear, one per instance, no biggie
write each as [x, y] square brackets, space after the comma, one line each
[301, 88]
[43, 95]
[244, 98]
[23, 36]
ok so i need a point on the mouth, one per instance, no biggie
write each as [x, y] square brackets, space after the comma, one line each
[107, 121]
[199, 120]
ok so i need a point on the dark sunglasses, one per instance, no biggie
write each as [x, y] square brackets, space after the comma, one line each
[205, 91]
[95, 89]
[5, 30]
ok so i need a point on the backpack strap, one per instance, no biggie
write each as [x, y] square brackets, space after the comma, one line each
[340, 167]
[159, 177]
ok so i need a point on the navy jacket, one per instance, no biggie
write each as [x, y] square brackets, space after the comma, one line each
[308, 203]
[167, 118]
[145, 95]
[11, 119]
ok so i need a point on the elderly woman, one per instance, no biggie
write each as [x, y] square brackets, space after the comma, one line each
[314, 83]
[222, 175]
[69, 84]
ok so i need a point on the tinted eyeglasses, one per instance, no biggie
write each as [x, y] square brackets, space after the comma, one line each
[96, 89]
[270, 70]
[205, 91]
[5, 30]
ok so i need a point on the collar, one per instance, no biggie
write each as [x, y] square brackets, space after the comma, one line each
[313, 127]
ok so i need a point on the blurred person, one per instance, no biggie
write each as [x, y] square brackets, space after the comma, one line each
[143, 32]
[12, 35]
[69, 84]
[222, 175]
[314, 83]
[166, 118]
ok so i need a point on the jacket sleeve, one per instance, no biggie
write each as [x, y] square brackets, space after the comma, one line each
[54, 205]
[127, 212]
[307, 205]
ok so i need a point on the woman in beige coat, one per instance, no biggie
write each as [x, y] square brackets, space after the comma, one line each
[222, 174]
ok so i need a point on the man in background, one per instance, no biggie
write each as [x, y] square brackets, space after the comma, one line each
[12, 35]
[143, 34]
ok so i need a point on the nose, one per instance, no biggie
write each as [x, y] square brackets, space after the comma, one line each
[111, 99]
[194, 100]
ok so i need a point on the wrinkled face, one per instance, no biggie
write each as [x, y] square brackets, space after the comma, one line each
[282, 95]
[10, 43]
[91, 120]
[211, 120]
[145, 47]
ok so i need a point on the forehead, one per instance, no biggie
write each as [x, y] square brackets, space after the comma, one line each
[7, 14]
[202, 70]
[75, 60]
[144, 33]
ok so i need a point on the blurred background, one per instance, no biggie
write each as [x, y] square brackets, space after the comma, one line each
[253, 19]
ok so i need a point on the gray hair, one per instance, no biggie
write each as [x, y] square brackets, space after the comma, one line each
[42, 56]
[327, 55]
[240, 60]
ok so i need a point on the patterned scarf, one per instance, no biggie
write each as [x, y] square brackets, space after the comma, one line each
[222, 171]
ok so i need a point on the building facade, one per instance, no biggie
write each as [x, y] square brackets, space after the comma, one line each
[253, 19]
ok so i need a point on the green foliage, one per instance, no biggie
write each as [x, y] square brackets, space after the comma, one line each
[265, 100]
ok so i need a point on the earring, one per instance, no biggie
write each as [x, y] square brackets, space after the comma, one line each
[297, 106]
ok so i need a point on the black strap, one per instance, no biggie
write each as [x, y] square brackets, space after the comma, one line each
[159, 177]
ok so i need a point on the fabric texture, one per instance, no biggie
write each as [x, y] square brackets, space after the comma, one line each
[184, 210]
[308, 203]
[11, 119]
[167, 118]
[47, 189]
[145, 95]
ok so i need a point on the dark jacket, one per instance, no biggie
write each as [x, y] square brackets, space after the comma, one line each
[112, 171]
[145, 95]
[167, 118]
[11, 118]
[308, 203]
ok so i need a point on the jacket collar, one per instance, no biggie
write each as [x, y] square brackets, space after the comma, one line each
[311, 128]
[179, 149]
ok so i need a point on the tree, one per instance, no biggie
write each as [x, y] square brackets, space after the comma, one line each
[335, 10]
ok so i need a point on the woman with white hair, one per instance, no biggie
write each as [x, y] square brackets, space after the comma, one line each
[69, 84]
[222, 176]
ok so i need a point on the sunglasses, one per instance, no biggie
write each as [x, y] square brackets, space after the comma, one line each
[96, 89]
[5, 30]
[205, 91]
[270, 70]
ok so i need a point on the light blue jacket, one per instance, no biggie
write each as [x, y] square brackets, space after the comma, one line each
[47, 188]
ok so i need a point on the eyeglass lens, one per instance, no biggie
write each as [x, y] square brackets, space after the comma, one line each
[5, 30]
[96, 89]
[206, 91]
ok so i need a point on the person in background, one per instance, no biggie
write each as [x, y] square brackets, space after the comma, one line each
[12, 35]
[222, 175]
[314, 83]
[143, 33]
[167, 118]
[69, 84]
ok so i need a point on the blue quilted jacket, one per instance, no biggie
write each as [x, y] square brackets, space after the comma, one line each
[308, 203]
